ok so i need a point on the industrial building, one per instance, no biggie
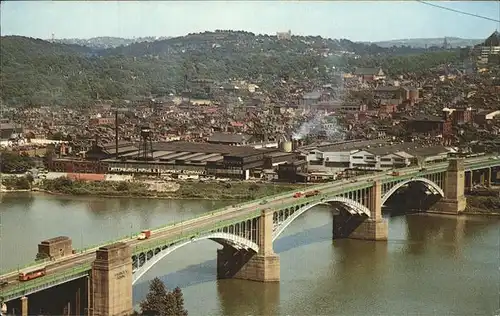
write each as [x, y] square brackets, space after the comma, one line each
[221, 161]
[371, 155]
[178, 158]
[321, 162]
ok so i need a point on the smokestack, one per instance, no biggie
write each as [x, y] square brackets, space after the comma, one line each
[116, 134]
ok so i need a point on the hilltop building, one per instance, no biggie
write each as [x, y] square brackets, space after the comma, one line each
[489, 51]
[284, 35]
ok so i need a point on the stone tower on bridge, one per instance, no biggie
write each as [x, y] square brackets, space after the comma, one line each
[454, 188]
[111, 279]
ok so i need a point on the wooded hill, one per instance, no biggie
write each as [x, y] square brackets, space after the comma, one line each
[37, 72]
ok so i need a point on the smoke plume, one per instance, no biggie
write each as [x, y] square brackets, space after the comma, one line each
[318, 125]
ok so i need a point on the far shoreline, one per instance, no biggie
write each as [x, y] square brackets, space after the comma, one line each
[132, 196]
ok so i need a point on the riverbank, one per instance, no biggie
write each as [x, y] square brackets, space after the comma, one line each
[483, 205]
[157, 189]
[476, 205]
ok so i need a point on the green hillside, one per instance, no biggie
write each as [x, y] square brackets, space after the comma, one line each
[37, 72]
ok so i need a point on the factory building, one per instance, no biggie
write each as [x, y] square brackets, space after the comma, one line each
[100, 151]
[371, 155]
[178, 159]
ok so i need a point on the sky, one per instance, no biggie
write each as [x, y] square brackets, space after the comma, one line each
[354, 20]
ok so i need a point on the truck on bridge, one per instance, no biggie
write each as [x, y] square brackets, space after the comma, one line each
[306, 194]
[145, 234]
[33, 273]
[311, 193]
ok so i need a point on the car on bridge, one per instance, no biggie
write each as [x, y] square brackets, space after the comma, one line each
[311, 193]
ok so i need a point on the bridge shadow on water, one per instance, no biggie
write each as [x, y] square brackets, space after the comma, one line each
[409, 200]
[206, 271]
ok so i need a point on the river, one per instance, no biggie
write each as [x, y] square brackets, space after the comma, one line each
[431, 265]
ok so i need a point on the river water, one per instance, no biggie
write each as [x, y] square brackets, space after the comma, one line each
[431, 265]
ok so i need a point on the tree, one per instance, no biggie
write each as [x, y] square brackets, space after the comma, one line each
[13, 162]
[179, 300]
[161, 302]
[155, 302]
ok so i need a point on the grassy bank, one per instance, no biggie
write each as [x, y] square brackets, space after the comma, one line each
[483, 204]
[233, 190]
[173, 190]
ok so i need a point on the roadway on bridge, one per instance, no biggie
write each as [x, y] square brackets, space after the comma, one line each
[193, 225]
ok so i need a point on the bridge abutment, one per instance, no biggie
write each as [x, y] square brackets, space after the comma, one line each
[111, 281]
[358, 227]
[454, 200]
[263, 266]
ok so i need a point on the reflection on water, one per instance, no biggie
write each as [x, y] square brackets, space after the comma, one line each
[20, 200]
[257, 298]
[431, 265]
[86, 220]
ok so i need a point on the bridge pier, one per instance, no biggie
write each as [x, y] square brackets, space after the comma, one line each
[24, 306]
[469, 185]
[111, 281]
[357, 227]
[263, 266]
[454, 200]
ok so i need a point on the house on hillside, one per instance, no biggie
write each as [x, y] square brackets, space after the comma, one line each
[369, 74]
[8, 129]
[429, 125]
[310, 98]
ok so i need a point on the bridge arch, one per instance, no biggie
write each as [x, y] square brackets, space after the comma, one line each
[430, 184]
[357, 207]
[223, 238]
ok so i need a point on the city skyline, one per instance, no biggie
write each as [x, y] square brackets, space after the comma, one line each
[357, 21]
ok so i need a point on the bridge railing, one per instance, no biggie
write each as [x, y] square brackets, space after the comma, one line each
[234, 207]
[102, 244]
[25, 287]
[41, 262]
[192, 233]
[492, 161]
[189, 233]
[437, 168]
[341, 190]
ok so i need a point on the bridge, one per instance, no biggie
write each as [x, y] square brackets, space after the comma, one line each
[245, 231]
